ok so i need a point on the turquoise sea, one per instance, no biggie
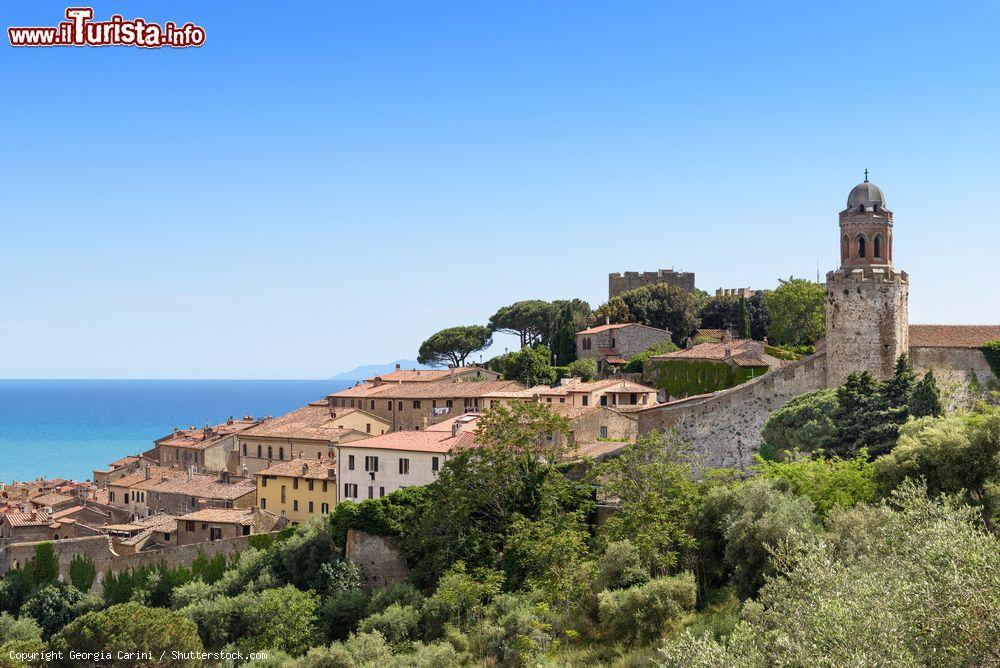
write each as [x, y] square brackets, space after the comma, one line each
[67, 428]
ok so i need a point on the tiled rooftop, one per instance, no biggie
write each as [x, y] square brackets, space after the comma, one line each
[220, 516]
[315, 421]
[316, 469]
[443, 390]
[200, 439]
[952, 336]
[603, 328]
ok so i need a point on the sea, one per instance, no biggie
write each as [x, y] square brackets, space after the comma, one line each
[68, 428]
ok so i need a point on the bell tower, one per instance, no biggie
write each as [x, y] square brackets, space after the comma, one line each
[867, 299]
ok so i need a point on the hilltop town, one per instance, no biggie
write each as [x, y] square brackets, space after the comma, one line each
[659, 362]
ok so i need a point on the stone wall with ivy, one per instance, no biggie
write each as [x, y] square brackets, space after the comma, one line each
[964, 375]
[681, 378]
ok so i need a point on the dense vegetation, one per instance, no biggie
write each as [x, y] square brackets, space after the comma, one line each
[813, 559]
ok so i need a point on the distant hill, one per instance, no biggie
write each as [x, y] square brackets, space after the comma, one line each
[369, 370]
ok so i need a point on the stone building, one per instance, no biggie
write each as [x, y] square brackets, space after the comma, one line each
[208, 448]
[298, 489]
[867, 330]
[630, 280]
[708, 367]
[866, 313]
[312, 431]
[401, 375]
[613, 345]
[418, 405]
[212, 524]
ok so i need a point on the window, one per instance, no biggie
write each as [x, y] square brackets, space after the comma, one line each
[283, 493]
[586, 400]
[373, 404]
[399, 405]
[548, 399]
[244, 449]
[189, 526]
[258, 450]
[270, 452]
[324, 508]
[281, 453]
[381, 492]
[390, 405]
[416, 403]
[263, 504]
[861, 247]
[371, 463]
[295, 483]
[246, 529]
[586, 343]
[877, 246]
[434, 463]
[562, 400]
[604, 431]
[350, 462]
[368, 427]
[295, 505]
[404, 466]
[633, 398]
[604, 400]
[111, 496]
[324, 486]
[310, 483]
[350, 490]
[263, 481]
[215, 533]
[371, 492]
[310, 507]
[448, 403]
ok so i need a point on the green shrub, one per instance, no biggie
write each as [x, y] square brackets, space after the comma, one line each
[637, 363]
[992, 352]
[397, 623]
[805, 424]
[82, 572]
[585, 368]
[340, 613]
[642, 613]
[620, 567]
[826, 482]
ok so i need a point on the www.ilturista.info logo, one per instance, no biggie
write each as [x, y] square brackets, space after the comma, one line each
[81, 30]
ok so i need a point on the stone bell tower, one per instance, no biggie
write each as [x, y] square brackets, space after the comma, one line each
[866, 299]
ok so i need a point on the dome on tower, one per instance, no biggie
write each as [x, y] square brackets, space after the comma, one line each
[866, 194]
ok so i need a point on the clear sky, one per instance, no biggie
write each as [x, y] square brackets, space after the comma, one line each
[324, 184]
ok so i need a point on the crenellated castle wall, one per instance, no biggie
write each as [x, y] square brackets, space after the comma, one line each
[630, 280]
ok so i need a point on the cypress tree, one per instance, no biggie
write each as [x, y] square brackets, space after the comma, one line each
[744, 328]
[926, 398]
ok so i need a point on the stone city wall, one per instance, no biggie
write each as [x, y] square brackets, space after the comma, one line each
[723, 429]
[957, 372]
[630, 280]
[379, 558]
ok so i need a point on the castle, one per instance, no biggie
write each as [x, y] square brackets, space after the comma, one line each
[630, 280]
[867, 329]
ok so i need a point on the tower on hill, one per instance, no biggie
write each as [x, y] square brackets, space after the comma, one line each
[866, 309]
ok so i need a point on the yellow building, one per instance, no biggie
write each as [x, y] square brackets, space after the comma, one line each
[298, 489]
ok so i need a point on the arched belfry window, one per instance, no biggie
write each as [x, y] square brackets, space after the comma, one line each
[861, 247]
[845, 248]
[877, 246]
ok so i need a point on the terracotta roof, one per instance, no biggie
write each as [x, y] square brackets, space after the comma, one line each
[51, 499]
[61, 514]
[572, 412]
[316, 469]
[124, 461]
[739, 348]
[317, 422]
[614, 359]
[220, 516]
[206, 487]
[952, 336]
[603, 328]
[427, 375]
[443, 390]
[199, 439]
[138, 479]
[414, 441]
[465, 422]
[713, 333]
[607, 385]
[159, 522]
[37, 519]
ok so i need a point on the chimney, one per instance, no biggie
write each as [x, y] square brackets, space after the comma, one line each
[305, 469]
[191, 470]
[456, 428]
[246, 471]
[727, 336]
[148, 472]
[607, 320]
[451, 371]
[397, 367]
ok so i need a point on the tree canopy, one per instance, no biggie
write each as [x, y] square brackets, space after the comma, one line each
[454, 345]
[797, 312]
[662, 306]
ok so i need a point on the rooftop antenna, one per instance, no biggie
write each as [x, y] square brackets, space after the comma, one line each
[817, 271]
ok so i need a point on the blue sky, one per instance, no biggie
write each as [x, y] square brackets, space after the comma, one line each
[289, 201]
